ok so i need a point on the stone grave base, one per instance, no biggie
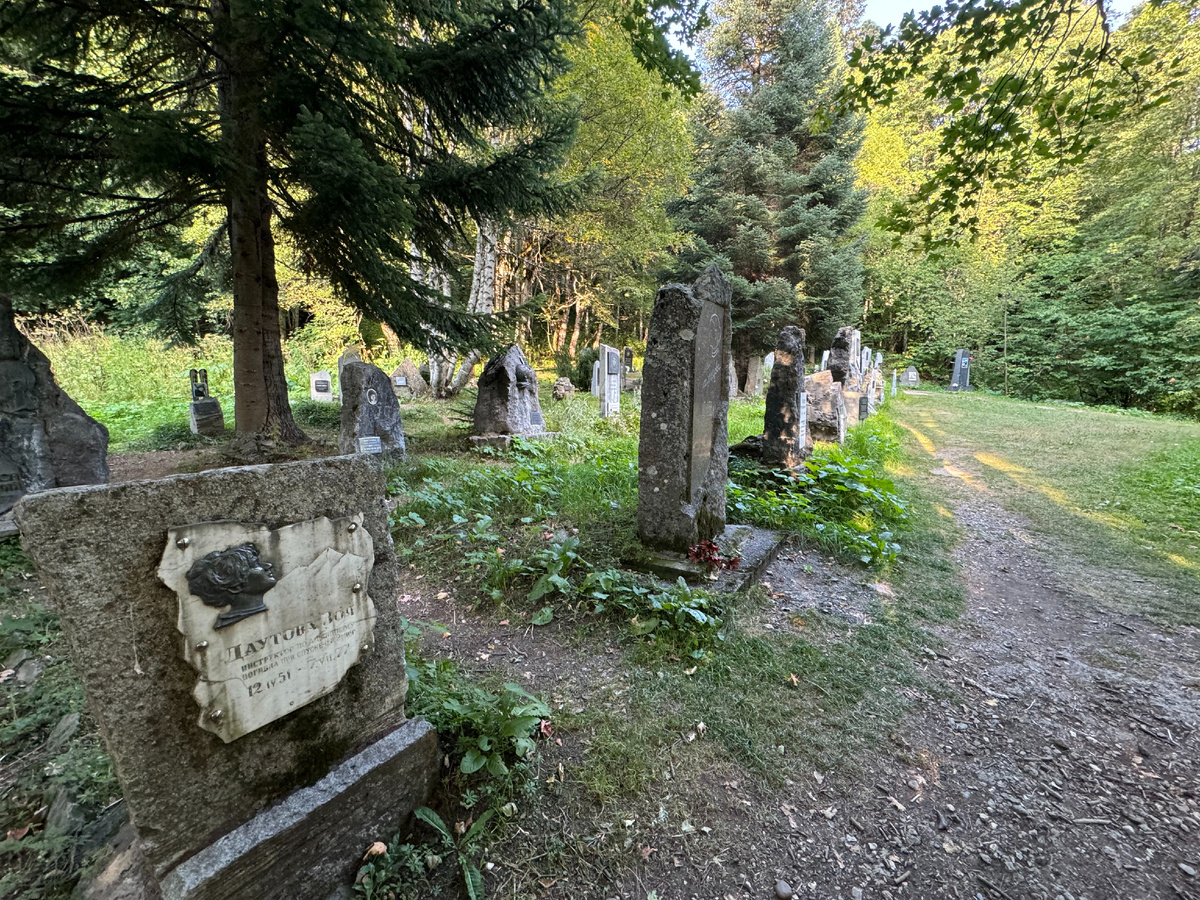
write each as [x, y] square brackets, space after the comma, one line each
[756, 546]
[306, 847]
[504, 441]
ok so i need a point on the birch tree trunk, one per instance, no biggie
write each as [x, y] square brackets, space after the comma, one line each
[483, 296]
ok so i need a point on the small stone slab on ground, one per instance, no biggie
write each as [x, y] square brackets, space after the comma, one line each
[757, 548]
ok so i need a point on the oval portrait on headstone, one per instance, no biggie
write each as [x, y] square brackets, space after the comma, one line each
[372, 397]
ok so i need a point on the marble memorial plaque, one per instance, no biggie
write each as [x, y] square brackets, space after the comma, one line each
[706, 392]
[271, 620]
[370, 444]
[400, 381]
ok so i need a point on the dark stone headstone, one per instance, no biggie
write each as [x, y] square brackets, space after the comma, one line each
[627, 355]
[369, 409]
[864, 407]
[786, 433]
[285, 810]
[207, 418]
[508, 396]
[840, 362]
[961, 380]
[46, 439]
[683, 455]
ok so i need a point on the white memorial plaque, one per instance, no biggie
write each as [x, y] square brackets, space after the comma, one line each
[271, 619]
[372, 444]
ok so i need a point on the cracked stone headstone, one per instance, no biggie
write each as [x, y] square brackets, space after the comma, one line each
[508, 396]
[370, 412]
[683, 450]
[826, 408]
[46, 439]
[785, 432]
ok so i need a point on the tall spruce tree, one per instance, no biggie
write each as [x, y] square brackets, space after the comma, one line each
[774, 200]
[355, 127]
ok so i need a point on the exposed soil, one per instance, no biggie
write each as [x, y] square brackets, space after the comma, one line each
[1064, 767]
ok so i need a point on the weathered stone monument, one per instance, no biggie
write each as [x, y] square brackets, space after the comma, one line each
[826, 408]
[239, 642]
[683, 452]
[508, 400]
[407, 382]
[841, 357]
[563, 387]
[753, 385]
[961, 379]
[205, 410]
[320, 387]
[610, 381]
[597, 381]
[349, 355]
[370, 412]
[785, 433]
[46, 439]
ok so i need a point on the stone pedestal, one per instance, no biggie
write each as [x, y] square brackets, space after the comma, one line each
[207, 418]
[285, 809]
[683, 452]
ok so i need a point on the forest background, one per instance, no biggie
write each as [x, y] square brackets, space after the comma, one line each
[1072, 278]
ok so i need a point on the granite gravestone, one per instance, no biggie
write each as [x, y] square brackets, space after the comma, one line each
[785, 433]
[826, 408]
[597, 380]
[627, 356]
[370, 412]
[754, 377]
[320, 387]
[205, 411]
[242, 653]
[683, 450]
[610, 381]
[508, 397]
[46, 439]
[961, 379]
[910, 378]
[407, 382]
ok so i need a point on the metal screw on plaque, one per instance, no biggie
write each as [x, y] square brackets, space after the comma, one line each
[353, 526]
[366, 647]
[357, 587]
[203, 645]
[183, 542]
[216, 715]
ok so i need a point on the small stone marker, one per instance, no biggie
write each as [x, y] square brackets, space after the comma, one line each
[770, 360]
[562, 388]
[894, 375]
[610, 381]
[369, 410]
[683, 455]
[349, 355]
[407, 382]
[597, 380]
[268, 620]
[320, 387]
[824, 361]
[785, 435]
[961, 380]
[46, 439]
[508, 400]
[205, 413]
[879, 359]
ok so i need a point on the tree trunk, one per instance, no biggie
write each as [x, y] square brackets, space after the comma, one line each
[483, 297]
[260, 399]
[575, 332]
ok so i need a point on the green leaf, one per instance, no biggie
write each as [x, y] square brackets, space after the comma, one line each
[473, 761]
[544, 616]
[429, 817]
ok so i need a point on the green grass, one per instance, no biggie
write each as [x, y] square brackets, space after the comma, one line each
[1120, 490]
